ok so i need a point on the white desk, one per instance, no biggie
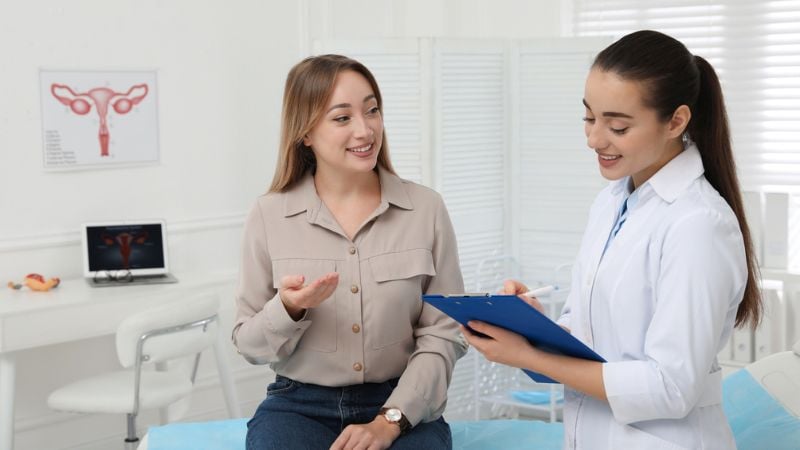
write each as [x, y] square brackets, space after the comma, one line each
[75, 311]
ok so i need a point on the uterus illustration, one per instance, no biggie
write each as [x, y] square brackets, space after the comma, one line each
[125, 240]
[81, 103]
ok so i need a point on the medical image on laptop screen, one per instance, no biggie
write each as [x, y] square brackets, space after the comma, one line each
[125, 247]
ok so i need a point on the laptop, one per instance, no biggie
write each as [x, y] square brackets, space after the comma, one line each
[125, 253]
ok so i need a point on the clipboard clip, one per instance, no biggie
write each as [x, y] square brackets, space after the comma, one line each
[470, 294]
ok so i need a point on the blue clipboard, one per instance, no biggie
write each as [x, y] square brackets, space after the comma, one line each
[512, 313]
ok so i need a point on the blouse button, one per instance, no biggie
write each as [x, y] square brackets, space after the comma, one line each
[354, 289]
[352, 250]
[357, 367]
[356, 328]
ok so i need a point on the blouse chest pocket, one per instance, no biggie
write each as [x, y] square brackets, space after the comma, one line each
[321, 335]
[396, 303]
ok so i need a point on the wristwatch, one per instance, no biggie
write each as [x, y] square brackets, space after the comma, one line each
[395, 416]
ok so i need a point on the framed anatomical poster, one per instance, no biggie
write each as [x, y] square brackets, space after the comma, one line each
[98, 119]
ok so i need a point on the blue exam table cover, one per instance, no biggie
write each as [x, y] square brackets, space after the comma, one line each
[216, 435]
[479, 435]
[758, 422]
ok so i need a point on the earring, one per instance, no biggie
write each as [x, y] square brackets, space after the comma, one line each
[685, 139]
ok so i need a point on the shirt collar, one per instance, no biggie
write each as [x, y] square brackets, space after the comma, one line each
[303, 197]
[670, 181]
[621, 186]
[676, 176]
[393, 190]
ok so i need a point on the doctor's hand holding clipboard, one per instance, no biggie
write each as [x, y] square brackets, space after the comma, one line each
[506, 347]
[521, 316]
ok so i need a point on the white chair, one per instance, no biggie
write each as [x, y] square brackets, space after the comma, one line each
[180, 328]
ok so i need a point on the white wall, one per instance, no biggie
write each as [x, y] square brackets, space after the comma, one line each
[220, 73]
[221, 67]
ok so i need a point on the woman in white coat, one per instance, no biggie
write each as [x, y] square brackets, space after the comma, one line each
[665, 269]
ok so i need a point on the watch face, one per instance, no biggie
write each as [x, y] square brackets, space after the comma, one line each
[393, 415]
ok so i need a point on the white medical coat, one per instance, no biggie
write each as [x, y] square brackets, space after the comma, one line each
[658, 306]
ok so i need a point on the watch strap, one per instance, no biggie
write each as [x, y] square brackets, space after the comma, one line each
[403, 423]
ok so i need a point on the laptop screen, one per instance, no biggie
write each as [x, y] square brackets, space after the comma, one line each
[136, 247]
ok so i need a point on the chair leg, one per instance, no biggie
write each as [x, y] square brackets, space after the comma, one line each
[163, 413]
[131, 420]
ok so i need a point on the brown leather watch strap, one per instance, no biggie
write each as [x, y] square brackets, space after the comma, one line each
[403, 422]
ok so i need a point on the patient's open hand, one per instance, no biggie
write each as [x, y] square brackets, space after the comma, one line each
[297, 297]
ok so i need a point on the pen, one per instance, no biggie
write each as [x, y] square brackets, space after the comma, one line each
[541, 291]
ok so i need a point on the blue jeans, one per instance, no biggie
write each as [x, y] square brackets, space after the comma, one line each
[307, 416]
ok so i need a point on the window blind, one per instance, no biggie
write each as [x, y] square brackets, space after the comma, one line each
[755, 47]
[471, 145]
[471, 152]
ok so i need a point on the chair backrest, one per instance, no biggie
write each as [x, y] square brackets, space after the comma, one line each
[165, 330]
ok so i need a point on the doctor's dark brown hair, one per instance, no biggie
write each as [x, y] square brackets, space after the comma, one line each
[308, 90]
[671, 76]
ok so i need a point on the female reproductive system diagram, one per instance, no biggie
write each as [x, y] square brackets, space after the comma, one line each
[98, 118]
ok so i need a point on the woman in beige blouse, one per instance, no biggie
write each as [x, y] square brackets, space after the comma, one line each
[334, 260]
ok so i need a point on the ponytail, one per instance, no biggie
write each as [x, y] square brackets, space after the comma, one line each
[708, 128]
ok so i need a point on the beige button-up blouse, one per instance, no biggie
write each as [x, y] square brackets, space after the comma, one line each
[375, 326]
